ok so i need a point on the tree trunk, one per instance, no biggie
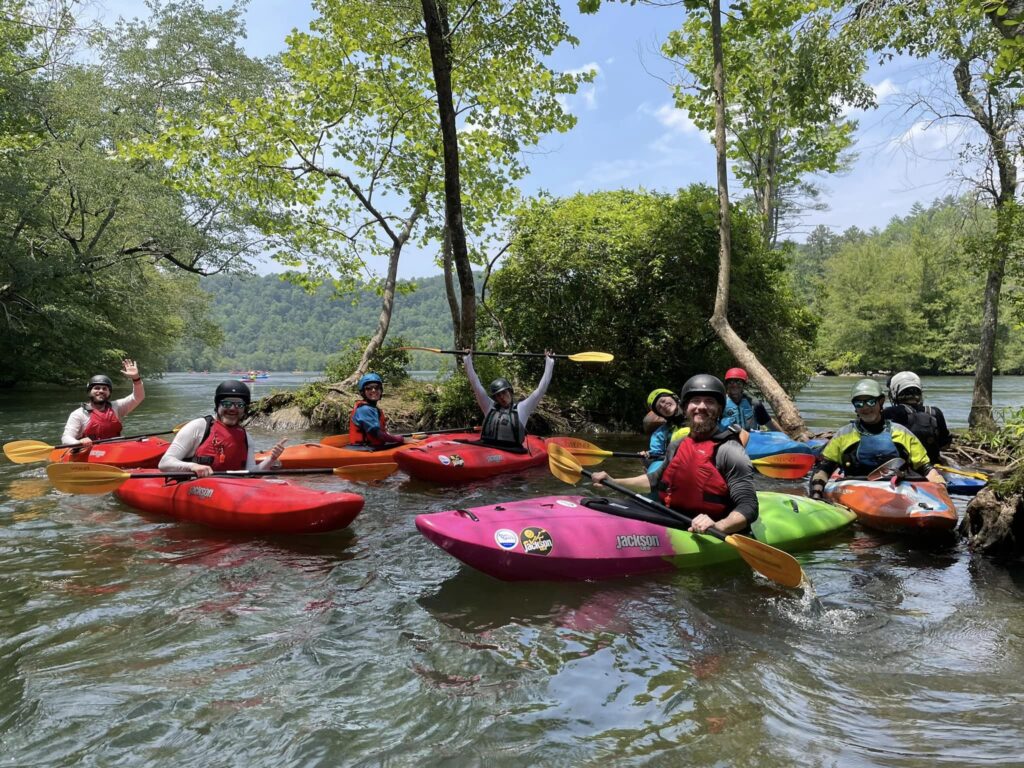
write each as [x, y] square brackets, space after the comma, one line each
[981, 400]
[449, 289]
[435, 17]
[769, 202]
[786, 413]
[384, 321]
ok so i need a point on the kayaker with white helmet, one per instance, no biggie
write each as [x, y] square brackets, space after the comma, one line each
[742, 409]
[367, 424]
[219, 443]
[504, 419]
[100, 417]
[926, 421]
[707, 474]
[866, 443]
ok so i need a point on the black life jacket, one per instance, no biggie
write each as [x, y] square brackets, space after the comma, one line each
[502, 428]
[925, 426]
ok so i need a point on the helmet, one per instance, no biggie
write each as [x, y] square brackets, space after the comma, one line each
[100, 379]
[499, 385]
[866, 388]
[369, 378]
[736, 373]
[904, 381]
[703, 384]
[657, 395]
[231, 388]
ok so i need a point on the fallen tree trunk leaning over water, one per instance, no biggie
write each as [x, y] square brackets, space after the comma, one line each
[994, 525]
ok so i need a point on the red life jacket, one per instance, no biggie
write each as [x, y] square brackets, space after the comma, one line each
[356, 436]
[102, 424]
[692, 483]
[223, 448]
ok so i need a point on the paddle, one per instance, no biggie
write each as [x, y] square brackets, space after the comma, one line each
[579, 357]
[28, 451]
[103, 478]
[340, 441]
[770, 562]
[965, 473]
[785, 466]
[891, 468]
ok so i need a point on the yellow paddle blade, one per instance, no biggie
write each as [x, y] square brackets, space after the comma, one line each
[772, 563]
[577, 447]
[27, 451]
[940, 467]
[86, 478]
[785, 466]
[592, 357]
[421, 349]
[563, 465]
[366, 471]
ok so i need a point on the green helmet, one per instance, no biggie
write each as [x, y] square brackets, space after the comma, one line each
[655, 395]
[866, 388]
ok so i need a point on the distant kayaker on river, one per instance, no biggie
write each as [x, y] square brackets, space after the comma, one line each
[707, 474]
[742, 409]
[505, 421]
[926, 421]
[664, 404]
[100, 418]
[367, 424]
[218, 443]
[868, 442]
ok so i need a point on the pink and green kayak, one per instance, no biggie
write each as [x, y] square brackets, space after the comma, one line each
[570, 538]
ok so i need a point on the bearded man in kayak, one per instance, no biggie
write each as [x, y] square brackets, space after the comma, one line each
[740, 408]
[868, 442]
[367, 424]
[218, 443]
[504, 420]
[926, 421]
[100, 418]
[707, 474]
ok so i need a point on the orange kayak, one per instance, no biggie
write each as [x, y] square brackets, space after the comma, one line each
[907, 506]
[317, 455]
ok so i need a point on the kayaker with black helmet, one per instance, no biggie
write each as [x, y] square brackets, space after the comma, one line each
[742, 409]
[664, 404]
[707, 474]
[927, 422]
[367, 424]
[869, 441]
[100, 418]
[219, 443]
[504, 419]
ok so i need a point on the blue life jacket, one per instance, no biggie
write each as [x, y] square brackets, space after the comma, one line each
[875, 450]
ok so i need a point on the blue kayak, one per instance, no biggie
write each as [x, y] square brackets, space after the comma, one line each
[764, 444]
[962, 485]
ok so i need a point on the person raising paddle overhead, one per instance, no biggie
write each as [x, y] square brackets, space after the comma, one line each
[100, 418]
[504, 420]
[219, 443]
[367, 424]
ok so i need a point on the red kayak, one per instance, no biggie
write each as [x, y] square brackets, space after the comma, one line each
[909, 506]
[249, 505]
[462, 458]
[144, 453]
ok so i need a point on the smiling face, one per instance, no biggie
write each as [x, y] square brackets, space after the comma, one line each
[373, 392]
[666, 406]
[869, 409]
[99, 394]
[734, 388]
[230, 411]
[703, 412]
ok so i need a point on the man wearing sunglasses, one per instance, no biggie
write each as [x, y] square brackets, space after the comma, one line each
[868, 442]
[367, 424]
[100, 418]
[218, 443]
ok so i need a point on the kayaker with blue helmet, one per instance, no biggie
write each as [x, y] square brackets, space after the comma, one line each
[219, 443]
[505, 420]
[742, 409]
[100, 418]
[707, 474]
[367, 424]
[927, 422]
[664, 404]
[869, 441]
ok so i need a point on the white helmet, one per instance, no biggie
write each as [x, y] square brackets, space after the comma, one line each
[903, 381]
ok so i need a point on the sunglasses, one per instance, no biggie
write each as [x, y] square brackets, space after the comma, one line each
[868, 402]
[231, 403]
[376, 387]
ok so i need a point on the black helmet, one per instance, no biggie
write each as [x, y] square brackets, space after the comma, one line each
[231, 388]
[499, 385]
[100, 379]
[703, 384]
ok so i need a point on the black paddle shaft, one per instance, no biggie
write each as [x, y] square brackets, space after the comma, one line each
[116, 439]
[475, 353]
[238, 473]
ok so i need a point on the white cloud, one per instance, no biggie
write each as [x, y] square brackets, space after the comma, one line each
[586, 68]
[885, 89]
[587, 91]
[671, 117]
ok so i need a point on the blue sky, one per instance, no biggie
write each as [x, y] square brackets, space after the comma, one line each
[629, 134]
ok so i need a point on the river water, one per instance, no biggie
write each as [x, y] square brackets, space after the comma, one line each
[135, 641]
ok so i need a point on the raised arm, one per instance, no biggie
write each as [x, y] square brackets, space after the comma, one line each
[482, 398]
[529, 405]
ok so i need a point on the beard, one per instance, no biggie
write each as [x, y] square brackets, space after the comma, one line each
[705, 427]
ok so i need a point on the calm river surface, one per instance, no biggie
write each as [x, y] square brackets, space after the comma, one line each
[135, 641]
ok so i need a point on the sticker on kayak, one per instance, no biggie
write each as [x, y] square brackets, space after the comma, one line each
[495, 458]
[451, 461]
[94, 452]
[536, 541]
[203, 493]
[564, 503]
[637, 541]
[505, 538]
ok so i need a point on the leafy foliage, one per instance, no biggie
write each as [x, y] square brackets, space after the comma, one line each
[390, 362]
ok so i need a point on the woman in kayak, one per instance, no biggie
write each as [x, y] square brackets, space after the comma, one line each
[218, 443]
[100, 418]
[367, 424]
[664, 404]
[740, 408]
[868, 442]
[707, 474]
[926, 421]
[504, 420]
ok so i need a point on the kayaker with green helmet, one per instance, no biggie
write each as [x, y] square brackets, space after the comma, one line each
[742, 409]
[367, 424]
[504, 419]
[869, 441]
[926, 421]
[219, 443]
[707, 474]
[100, 418]
[664, 404]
